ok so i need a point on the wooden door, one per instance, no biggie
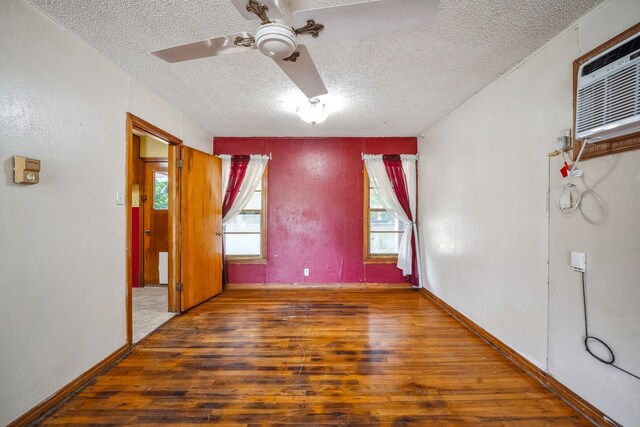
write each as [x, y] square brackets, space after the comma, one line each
[155, 219]
[200, 233]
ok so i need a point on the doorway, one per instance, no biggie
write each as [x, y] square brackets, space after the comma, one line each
[149, 183]
[175, 236]
[150, 235]
[154, 210]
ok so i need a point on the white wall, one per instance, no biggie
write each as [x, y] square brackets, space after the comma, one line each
[484, 175]
[62, 258]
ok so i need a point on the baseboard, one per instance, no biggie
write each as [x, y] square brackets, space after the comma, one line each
[590, 412]
[68, 390]
[301, 286]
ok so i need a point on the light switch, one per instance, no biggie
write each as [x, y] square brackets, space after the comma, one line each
[579, 261]
[119, 197]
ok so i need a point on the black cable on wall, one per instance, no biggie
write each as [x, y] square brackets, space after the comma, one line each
[590, 338]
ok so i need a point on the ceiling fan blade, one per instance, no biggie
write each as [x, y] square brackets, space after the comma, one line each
[303, 73]
[366, 19]
[273, 11]
[205, 48]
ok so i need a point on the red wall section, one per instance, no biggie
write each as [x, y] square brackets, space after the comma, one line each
[315, 217]
[135, 247]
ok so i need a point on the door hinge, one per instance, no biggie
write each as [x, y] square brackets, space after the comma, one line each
[144, 198]
[179, 287]
[179, 163]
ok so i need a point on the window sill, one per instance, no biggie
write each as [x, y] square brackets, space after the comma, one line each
[246, 260]
[381, 260]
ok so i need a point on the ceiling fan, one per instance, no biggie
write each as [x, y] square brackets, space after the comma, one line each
[286, 45]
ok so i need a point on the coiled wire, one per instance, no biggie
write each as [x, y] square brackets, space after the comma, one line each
[590, 338]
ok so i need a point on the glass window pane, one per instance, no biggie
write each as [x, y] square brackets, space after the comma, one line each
[244, 223]
[384, 221]
[374, 201]
[255, 203]
[160, 190]
[384, 243]
[242, 244]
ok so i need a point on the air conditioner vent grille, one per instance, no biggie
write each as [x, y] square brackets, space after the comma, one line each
[590, 108]
[615, 97]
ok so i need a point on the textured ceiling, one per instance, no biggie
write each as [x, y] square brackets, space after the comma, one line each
[396, 84]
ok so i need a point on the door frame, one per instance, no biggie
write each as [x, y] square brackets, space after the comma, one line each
[140, 125]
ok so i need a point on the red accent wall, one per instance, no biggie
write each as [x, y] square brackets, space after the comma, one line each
[135, 247]
[315, 214]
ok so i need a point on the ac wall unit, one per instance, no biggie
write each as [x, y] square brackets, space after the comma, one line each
[608, 98]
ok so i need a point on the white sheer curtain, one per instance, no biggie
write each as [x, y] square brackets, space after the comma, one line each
[387, 196]
[383, 189]
[255, 170]
[226, 171]
[411, 177]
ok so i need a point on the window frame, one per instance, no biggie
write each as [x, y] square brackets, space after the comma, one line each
[262, 258]
[368, 257]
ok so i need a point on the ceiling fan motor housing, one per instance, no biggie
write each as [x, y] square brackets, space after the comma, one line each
[276, 40]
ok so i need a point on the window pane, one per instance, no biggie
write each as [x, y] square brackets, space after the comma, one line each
[384, 243]
[384, 221]
[242, 244]
[160, 190]
[374, 201]
[244, 223]
[255, 203]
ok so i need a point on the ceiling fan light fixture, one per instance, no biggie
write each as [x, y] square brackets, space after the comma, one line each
[276, 40]
[313, 111]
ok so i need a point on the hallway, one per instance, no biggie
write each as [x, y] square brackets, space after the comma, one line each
[316, 357]
[149, 310]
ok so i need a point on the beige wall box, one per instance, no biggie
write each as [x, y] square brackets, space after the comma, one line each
[26, 171]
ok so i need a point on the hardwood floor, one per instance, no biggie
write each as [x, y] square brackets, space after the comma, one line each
[316, 357]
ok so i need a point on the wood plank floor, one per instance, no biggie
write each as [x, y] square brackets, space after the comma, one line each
[316, 357]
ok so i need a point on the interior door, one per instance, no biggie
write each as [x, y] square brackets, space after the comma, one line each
[200, 234]
[155, 220]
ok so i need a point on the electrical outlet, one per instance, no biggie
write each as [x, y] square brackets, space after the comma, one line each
[564, 142]
[306, 272]
[566, 201]
[579, 261]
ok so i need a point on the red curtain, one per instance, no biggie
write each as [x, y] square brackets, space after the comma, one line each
[239, 166]
[393, 165]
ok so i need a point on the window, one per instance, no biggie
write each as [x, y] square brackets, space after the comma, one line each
[382, 231]
[160, 190]
[245, 238]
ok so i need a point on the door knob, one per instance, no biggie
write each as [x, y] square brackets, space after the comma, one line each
[218, 233]
[147, 232]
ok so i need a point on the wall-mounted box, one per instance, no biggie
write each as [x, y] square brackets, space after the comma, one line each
[26, 171]
[579, 261]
